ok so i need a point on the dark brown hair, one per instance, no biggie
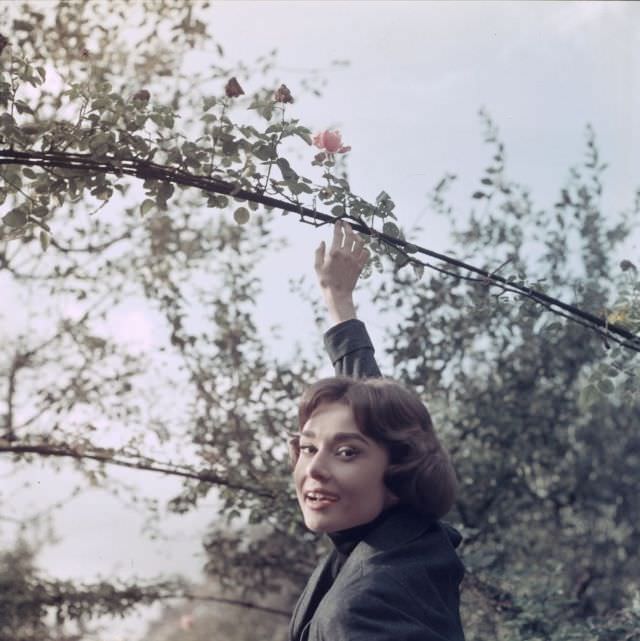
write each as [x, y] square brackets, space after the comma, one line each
[420, 472]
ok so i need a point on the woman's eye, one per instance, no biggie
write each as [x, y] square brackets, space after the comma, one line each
[347, 452]
[307, 449]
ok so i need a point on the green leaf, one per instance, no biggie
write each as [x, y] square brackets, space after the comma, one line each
[299, 187]
[22, 25]
[382, 197]
[605, 386]
[98, 142]
[241, 215]
[303, 133]
[263, 151]
[400, 260]
[146, 206]
[103, 193]
[165, 191]
[391, 229]
[15, 218]
[589, 395]
[209, 118]
[285, 169]
[99, 104]
[217, 201]
[39, 211]
[23, 107]
[44, 240]
[208, 102]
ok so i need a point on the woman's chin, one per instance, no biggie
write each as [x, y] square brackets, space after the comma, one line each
[320, 523]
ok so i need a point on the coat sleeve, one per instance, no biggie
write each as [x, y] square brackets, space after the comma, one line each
[351, 351]
[386, 613]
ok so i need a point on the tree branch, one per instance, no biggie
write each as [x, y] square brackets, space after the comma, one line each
[152, 171]
[107, 456]
[217, 599]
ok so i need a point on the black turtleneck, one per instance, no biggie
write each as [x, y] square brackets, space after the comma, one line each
[344, 542]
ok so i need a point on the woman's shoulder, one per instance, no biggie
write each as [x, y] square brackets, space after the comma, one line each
[407, 589]
[406, 533]
[410, 553]
[429, 558]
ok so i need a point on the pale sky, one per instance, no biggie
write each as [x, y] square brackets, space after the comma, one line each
[419, 72]
[407, 104]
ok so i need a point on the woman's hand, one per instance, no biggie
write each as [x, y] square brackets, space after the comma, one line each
[338, 271]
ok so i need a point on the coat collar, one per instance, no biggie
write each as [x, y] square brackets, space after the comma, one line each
[401, 526]
[296, 631]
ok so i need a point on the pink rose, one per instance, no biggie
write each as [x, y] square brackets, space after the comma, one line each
[330, 141]
[186, 622]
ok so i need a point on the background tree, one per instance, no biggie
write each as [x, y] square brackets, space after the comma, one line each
[547, 503]
[544, 467]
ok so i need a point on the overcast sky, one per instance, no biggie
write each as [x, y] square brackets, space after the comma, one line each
[407, 104]
[420, 71]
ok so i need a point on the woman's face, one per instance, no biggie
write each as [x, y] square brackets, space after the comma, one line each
[339, 472]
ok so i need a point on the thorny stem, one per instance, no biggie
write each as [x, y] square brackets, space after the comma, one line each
[148, 170]
[214, 139]
[275, 147]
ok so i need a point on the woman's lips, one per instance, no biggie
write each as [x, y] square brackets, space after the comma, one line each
[319, 500]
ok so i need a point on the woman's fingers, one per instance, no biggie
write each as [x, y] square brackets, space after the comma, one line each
[363, 257]
[352, 240]
[338, 234]
[319, 257]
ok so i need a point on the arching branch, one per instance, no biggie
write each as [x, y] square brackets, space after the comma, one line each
[147, 170]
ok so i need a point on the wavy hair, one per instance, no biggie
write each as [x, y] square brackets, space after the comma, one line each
[420, 472]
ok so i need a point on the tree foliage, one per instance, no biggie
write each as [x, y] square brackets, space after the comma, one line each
[545, 444]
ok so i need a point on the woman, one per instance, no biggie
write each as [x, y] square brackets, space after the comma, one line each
[370, 472]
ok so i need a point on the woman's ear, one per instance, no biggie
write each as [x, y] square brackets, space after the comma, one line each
[389, 498]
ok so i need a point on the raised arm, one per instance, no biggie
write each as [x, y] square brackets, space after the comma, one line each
[347, 341]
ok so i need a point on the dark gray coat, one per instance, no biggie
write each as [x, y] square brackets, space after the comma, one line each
[401, 582]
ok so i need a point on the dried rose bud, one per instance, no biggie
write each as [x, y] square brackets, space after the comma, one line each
[233, 88]
[3, 42]
[626, 265]
[283, 94]
[142, 96]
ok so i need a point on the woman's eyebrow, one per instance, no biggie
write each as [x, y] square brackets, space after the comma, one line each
[339, 436]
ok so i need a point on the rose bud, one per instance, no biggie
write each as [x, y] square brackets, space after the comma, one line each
[233, 88]
[142, 96]
[283, 94]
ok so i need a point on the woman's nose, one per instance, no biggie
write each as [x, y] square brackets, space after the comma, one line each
[318, 467]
